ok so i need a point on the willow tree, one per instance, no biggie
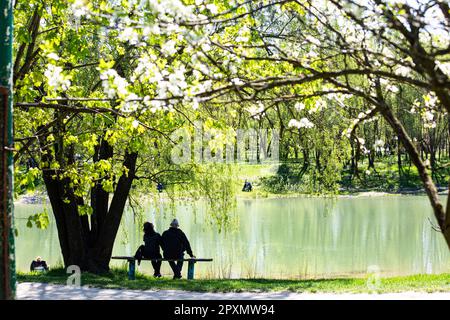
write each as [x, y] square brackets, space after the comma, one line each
[338, 54]
[95, 113]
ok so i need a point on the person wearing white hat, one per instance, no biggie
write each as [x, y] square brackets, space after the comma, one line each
[38, 265]
[174, 244]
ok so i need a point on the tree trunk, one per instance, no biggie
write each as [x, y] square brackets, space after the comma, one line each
[101, 251]
[87, 246]
[442, 217]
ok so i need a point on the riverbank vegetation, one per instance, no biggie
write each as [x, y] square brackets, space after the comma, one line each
[117, 279]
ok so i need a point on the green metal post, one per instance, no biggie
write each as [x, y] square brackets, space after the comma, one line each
[7, 264]
[131, 269]
[191, 270]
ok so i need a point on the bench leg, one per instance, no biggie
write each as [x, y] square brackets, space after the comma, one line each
[191, 270]
[131, 269]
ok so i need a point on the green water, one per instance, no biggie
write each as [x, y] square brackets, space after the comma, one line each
[282, 238]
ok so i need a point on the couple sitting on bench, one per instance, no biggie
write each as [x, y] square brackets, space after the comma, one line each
[173, 242]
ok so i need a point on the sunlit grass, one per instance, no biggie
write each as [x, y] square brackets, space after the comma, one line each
[117, 279]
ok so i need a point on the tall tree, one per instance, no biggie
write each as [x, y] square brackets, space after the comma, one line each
[7, 265]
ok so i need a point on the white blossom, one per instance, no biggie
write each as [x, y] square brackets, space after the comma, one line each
[130, 35]
[169, 48]
[256, 111]
[212, 8]
[303, 123]
[195, 104]
[237, 81]
[80, 8]
[55, 77]
[299, 106]
[320, 104]
[444, 66]
[114, 84]
[131, 103]
[392, 88]
[313, 40]
[53, 56]
[403, 71]
[429, 116]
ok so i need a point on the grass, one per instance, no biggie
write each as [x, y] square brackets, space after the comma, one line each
[289, 180]
[117, 279]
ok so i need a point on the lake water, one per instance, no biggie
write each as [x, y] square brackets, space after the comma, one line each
[281, 238]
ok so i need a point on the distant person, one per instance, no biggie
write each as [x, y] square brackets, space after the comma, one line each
[39, 265]
[150, 249]
[247, 186]
[174, 243]
[160, 187]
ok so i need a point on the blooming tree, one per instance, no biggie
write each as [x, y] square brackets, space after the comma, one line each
[108, 81]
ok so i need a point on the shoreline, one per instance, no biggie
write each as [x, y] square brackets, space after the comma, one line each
[41, 197]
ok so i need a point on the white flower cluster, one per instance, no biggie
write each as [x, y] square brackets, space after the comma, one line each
[299, 106]
[147, 69]
[129, 34]
[339, 97]
[157, 105]
[80, 8]
[175, 83]
[445, 67]
[169, 48]
[362, 146]
[310, 39]
[319, 105]
[201, 87]
[428, 118]
[403, 71]
[388, 86]
[427, 110]
[243, 35]
[113, 84]
[256, 111]
[171, 9]
[56, 79]
[237, 82]
[363, 117]
[131, 103]
[303, 123]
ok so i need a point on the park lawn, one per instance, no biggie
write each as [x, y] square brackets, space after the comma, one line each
[117, 279]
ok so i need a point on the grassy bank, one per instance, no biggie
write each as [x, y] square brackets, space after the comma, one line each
[117, 279]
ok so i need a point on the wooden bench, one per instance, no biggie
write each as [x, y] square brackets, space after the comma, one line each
[132, 264]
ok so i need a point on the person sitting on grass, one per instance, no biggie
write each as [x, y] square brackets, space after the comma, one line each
[174, 243]
[150, 249]
[38, 265]
[247, 186]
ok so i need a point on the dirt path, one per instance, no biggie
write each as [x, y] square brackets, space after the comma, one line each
[43, 291]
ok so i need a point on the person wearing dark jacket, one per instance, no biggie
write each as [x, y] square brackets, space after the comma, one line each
[38, 265]
[150, 249]
[174, 243]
